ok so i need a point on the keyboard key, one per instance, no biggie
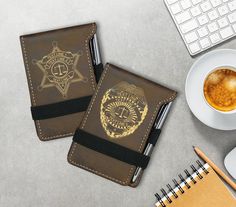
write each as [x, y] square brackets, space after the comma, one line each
[185, 4]
[212, 27]
[234, 27]
[171, 1]
[204, 23]
[175, 8]
[202, 20]
[191, 37]
[194, 47]
[216, 3]
[205, 43]
[183, 17]
[189, 26]
[195, 11]
[232, 17]
[202, 32]
[213, 15]
[223, 10]
[227, 32]
[215, 38]
[196, 1]
[232, 5]
[223, 22]
[206, 6]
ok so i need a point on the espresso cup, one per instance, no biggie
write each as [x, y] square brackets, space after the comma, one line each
[218, 85]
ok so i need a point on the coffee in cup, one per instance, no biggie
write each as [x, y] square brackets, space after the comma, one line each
[220, 89]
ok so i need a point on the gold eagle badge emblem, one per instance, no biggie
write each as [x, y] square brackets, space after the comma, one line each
[123, 109]
[59, 69]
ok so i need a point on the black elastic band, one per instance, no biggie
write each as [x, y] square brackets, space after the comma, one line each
[154, 135]
[60, 109]
[98, 69]
[111, 149]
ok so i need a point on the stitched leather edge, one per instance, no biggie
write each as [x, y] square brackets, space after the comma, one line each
[33, 96]
[144, 139]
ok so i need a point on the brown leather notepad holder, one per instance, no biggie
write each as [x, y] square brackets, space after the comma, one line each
[61, 79]
[117, 125]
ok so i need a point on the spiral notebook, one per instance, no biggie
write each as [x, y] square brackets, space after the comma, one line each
[202, 188]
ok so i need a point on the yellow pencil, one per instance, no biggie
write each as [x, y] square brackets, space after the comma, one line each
[214, 166]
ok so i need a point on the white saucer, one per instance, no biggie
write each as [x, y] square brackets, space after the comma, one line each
[194, 86]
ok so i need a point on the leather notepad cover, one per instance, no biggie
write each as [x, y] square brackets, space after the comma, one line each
[59, 70]
[121, 112]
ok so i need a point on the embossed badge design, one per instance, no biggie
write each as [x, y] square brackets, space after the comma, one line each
[59, 69]
[123, 109]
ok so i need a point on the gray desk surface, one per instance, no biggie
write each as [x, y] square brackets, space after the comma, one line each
[138, 35]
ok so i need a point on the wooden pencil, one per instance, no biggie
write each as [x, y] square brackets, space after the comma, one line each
[214, 166]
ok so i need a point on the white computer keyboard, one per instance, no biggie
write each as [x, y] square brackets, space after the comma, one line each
[203, 23]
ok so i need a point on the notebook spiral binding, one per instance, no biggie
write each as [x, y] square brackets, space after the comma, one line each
[171, 190]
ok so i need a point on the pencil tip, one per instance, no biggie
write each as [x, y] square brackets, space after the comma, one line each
[193, 147]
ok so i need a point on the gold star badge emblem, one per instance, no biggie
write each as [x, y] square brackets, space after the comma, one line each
[59, 70]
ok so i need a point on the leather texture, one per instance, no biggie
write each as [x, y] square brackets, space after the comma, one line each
[123, 110]
[59, 67]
